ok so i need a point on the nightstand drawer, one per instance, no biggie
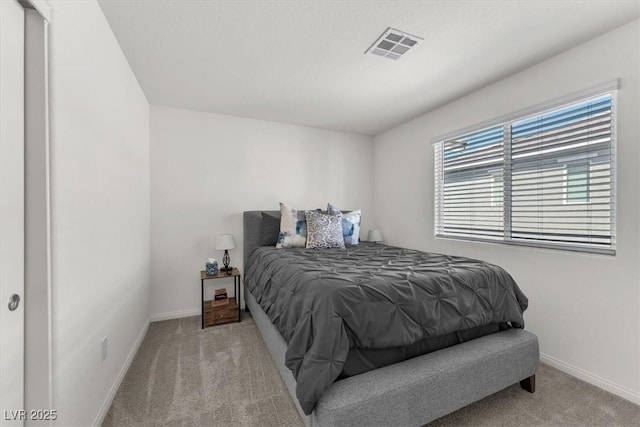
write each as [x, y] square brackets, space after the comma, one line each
[220, 314]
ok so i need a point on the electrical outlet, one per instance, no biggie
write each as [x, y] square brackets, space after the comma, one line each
[103, 346]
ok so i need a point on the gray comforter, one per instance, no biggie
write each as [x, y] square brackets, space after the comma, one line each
[326, 301]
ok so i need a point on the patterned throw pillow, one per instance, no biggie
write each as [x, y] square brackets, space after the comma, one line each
[293, 228]
[350, 224]
[324, 231]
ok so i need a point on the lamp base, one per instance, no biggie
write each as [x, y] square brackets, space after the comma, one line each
[226, 259]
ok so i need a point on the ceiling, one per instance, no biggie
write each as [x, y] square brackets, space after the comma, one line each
[303, 62]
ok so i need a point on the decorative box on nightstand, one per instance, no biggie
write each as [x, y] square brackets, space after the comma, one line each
[217, 314]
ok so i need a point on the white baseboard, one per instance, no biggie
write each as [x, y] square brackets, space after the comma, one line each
[175, 314]
[610, 386]
[116, 385]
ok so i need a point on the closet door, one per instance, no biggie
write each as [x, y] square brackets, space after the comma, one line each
[12, 213]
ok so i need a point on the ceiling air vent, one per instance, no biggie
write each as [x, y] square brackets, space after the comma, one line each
[393, 44]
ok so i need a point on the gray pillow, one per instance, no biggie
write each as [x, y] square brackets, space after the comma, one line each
[270, 229]
[324, 231]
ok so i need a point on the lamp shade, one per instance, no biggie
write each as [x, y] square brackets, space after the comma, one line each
[225, 241]
[375, 235]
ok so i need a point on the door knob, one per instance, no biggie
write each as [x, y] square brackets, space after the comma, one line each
[14, 302]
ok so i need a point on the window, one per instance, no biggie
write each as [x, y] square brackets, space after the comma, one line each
[542, 179]
[577, 183]
[497, 190]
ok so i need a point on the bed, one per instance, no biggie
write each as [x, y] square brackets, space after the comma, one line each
[340, 372]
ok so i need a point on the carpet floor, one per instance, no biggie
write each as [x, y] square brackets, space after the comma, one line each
[224, 376]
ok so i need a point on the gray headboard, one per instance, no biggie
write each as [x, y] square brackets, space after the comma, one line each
[252, 227]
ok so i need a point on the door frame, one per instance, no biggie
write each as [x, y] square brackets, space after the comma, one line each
[38, 373]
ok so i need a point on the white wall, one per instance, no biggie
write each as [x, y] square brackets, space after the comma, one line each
[584, 308]
[206, 169]
[100, 211]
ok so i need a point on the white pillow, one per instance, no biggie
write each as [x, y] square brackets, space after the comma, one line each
[350, 224]
[293, 228]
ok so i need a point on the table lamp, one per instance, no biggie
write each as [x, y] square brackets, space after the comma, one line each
[224, 242]
[375, 235]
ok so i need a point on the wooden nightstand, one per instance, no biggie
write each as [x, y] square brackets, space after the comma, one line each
[222, 314]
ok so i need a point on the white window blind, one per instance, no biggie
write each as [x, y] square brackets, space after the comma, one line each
[545, 179]
[466, 196]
